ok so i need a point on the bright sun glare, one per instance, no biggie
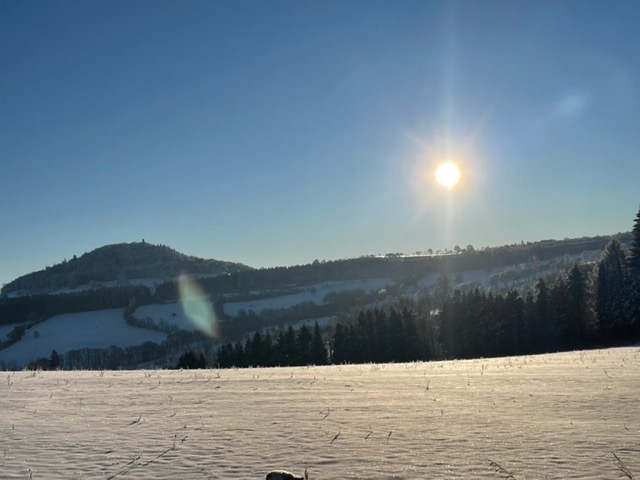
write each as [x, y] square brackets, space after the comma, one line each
[447, 174]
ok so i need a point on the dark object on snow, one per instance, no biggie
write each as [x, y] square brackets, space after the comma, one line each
[284, 475]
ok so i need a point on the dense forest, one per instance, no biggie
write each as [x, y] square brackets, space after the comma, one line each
[583, 308]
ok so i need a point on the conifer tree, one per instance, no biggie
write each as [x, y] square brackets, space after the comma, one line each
[576, 307]
[514, 305]
[55, 361]
[529, 320]
[303, 345]
[612, 290]
[339, 353]
[288, 353]
[633, 262]
[540, 329]
[318, 350]
[413, 344]
[239, 359]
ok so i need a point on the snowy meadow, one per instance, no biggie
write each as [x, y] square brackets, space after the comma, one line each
[569, 415]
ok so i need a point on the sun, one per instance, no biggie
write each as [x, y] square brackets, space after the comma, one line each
[448, 174]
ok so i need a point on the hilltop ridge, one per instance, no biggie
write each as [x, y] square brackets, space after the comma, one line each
[118, 262]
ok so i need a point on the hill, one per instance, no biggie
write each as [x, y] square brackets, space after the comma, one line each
[117, 263]
[268, 300]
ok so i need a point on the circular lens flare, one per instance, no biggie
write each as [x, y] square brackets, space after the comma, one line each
[447, 174]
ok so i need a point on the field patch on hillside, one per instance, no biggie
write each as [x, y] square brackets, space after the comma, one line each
[97, 329]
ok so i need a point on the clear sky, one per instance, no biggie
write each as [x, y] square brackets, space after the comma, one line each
[276, 133]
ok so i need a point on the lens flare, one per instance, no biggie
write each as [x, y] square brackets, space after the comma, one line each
[197, 306]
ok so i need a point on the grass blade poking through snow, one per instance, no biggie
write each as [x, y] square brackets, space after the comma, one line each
[501, 470]
[623, 468]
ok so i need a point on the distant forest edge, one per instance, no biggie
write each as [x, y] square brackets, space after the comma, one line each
[240, 280]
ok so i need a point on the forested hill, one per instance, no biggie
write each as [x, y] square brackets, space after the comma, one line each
[404, 268]
[118, 262]
[126, 261]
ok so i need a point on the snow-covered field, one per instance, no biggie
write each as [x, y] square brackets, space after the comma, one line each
[169, 313]
[312, 293]
[99, 329]
[556, 416]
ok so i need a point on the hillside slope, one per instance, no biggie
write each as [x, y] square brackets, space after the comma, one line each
[118, 262]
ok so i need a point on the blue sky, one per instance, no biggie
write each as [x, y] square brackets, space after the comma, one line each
[275, 133]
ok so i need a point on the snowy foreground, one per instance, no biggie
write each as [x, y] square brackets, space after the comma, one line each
[549, 416]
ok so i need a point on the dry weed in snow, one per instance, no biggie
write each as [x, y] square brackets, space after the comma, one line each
[570, 415]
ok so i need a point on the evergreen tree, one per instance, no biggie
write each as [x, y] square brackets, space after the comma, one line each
[355, 345]
[363, 336]
[303, 346]
[239, 359]
[269, 357]
[557, 315]
[413, 348]
[288, 353]
[339, 352]
[529, 319]
[279, 349]
[633, 262]
[498, 336]
[473, 332]
[541, 329]
[576, 308]
[449, 320]
[254, 350]
[514, 314]
[396, 340]
[318, 354]
[612, 290]
[225, 356]
[191, 360]
[428, 325]
[55, 362]
[380, 339]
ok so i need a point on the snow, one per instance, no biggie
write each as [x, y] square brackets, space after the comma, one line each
[169, 313]
[98, 329]
[548, 416]
[312, 293]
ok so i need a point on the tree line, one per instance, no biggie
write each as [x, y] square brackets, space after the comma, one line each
[36, 308]
[288, 348]
[587, 306]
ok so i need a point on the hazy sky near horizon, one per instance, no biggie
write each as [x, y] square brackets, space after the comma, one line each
[275, 133]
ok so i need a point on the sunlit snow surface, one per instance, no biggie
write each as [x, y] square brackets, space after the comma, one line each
[550, 416]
